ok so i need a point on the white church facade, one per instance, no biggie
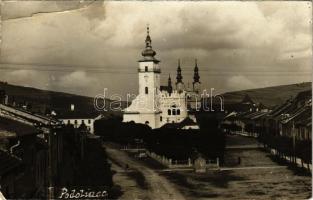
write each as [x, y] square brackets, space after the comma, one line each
[158, 105]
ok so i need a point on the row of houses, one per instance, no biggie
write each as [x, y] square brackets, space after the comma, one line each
[71, 115]
[291, 119]
[40, 153]
[286, 130]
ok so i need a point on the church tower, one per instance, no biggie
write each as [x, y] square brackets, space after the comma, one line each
[180, 87]
[145, 108]
[149, 70]
[196, 79]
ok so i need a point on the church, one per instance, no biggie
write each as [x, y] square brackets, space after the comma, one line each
[158, 105]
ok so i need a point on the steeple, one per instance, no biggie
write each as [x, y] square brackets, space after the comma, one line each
[169, 84]
[196, 77]
[148, 39]
[148, 53]
[179, 77]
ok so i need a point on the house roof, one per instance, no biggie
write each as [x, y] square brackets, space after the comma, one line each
[304, 95]
[302, 113]
[10, 127]
[186, 122]
[280, 109]
[77, 115]
[290, 106]
[304, 120]
[27, 115]
[254, 115]
[247, 100]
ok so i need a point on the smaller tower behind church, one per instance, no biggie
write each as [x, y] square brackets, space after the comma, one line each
[169, 85]
[180, 87]
[196, 79]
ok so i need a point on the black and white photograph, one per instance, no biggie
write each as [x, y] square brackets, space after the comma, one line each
[155, 100]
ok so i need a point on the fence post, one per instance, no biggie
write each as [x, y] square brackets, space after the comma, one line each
[189, 162]
[218, 162]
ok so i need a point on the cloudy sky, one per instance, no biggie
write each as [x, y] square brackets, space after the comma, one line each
[83, 46]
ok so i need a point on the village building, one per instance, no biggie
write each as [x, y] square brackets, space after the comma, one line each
[291, 119]
[186, 124]
[34, 153]
[157, 105]
[245, 117]
[295, 121]
[78, 118]
[21, 146]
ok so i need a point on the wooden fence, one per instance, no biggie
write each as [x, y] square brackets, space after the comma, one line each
[168, 162]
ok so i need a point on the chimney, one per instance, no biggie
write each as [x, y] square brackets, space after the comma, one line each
[72, 107]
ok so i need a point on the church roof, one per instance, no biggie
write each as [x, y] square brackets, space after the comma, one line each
[186, 122]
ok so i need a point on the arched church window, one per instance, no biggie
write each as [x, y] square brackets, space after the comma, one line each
[146, 90]
[174, 112]
[169, 112]
[146, 68]
[178, 111]
[160, 118]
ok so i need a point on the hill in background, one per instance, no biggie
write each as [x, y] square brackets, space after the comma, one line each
[44, 101]
[269, 96]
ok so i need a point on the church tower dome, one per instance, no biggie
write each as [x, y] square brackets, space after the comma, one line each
[148, 53]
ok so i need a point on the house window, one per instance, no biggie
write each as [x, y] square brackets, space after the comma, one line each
[146, 90]
[160, 118]
[146, 68]
[169, 112]
[68, 122]
[83, 121]
[89, 121]
[75, 121]
[178, 111]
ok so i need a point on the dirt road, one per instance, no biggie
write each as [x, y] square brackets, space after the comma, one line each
[157, 187]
